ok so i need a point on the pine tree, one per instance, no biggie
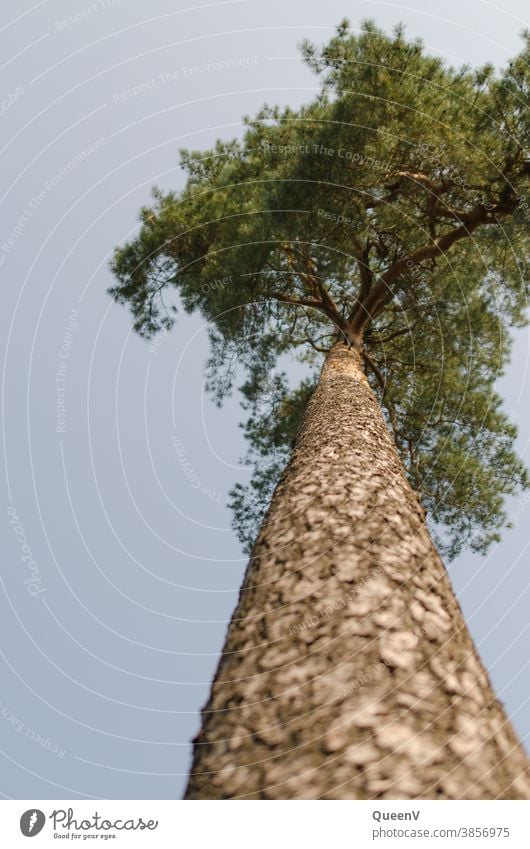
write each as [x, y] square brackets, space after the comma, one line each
[377, 235]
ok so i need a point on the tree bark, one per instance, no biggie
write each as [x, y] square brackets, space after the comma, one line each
[348, 671]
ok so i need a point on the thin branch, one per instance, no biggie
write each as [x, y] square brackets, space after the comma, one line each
[313, 344]
[376, 371]
[374, 368]
[298, 302]
[385, 339]
[419, 177]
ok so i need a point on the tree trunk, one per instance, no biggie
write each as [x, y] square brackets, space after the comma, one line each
[348, 671]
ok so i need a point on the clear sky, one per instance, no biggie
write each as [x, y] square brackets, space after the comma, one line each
[119, 568]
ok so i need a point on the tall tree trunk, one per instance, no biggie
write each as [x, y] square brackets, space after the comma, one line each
[348, 671]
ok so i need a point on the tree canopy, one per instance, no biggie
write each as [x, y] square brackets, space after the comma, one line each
[389, 213]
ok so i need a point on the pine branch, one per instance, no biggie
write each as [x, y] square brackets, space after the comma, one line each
[382, 294]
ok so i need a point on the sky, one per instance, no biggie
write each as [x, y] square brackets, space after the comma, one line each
[119, 566]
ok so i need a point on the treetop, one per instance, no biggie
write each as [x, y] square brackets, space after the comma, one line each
[390, 213]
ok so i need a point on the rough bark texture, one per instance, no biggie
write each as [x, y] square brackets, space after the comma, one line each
[348, 671]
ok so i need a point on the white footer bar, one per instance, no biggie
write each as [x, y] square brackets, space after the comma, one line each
[276, 825]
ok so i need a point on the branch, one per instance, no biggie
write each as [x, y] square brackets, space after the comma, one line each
[363, 264]
[325, 302]
[362, 259]
[421, 178]
[381, 292]
[436, 207]
[329, 304]
[290, 299]
[383, 340]
[311, 342]
[376, 371]
[374, 368]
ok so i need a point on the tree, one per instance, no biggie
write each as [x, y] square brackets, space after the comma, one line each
[379, 231]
